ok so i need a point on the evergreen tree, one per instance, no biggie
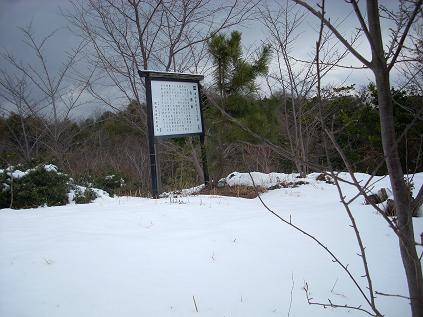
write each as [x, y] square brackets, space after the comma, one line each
[233, 74]
[234, 79]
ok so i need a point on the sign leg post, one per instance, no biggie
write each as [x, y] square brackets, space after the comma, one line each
[151, 142]
[158, 173]
[153, 171]
[204, 160]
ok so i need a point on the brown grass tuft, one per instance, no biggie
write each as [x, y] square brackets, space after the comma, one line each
[235, 191]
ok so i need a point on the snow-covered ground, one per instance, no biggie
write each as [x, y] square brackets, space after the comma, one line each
[142, 257]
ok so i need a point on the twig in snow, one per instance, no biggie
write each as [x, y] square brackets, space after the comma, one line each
[292, 289]
[335, 259]
[333, 305]
[195, 304]
[333, 289]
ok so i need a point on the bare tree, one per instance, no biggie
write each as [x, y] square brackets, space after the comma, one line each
[36, 89]
[410, 60]
[169, 35]
[13, 93]
[295, 78]
[381, 63]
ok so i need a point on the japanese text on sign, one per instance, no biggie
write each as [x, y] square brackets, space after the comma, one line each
[176, 108]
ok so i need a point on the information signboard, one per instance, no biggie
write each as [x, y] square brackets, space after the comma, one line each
[176, 108]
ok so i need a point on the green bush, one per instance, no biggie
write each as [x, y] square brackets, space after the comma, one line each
[4, 190]
[110, 183]
[84, 197]
[38, 187]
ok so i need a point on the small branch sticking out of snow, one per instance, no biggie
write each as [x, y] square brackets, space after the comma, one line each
[195, 304]
[292, 289]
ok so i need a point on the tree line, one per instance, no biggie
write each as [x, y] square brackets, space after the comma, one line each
[113, 143]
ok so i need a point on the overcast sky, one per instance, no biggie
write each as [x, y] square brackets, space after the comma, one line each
[45, 17]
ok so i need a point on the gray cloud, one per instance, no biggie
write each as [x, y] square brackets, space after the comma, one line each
[45, 17]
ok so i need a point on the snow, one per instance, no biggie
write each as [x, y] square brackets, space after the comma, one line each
[99, 193]
[51, 168]
[260, 179]
[183, 192]
[128, 256]
[17, 174]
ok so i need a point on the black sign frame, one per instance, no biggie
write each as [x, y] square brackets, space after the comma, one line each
[150, 76]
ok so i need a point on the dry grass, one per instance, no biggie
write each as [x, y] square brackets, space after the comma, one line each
[235, 191]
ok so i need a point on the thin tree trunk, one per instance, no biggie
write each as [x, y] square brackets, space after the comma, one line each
[400, 191]
[409, 255]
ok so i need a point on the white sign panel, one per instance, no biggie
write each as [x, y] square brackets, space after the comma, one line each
[176, 107]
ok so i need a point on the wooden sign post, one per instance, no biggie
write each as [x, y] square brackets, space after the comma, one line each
[174, 109]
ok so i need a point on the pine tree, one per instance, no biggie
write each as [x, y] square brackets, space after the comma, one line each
[233, 74]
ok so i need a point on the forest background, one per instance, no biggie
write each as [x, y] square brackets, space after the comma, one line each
[257, 101]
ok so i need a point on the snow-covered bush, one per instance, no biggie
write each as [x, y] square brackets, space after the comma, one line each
[38, 186]
[110, 183]
[41, 185]
[4, 190]
[83, 196]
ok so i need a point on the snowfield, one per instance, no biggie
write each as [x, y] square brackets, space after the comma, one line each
[128, 256]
